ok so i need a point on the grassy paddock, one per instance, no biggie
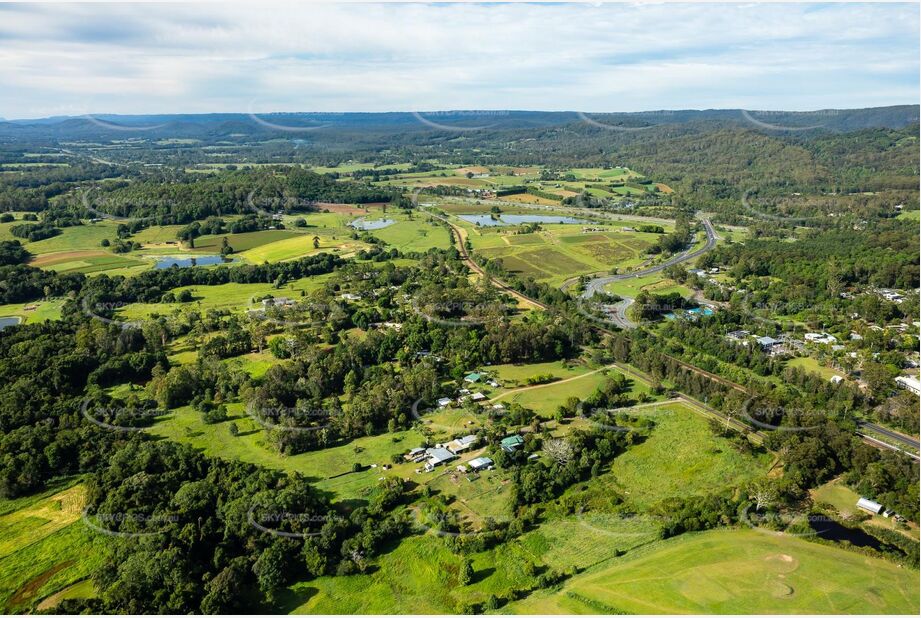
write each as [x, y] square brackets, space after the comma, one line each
[735, 572]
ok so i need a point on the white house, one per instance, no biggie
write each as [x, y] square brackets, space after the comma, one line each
[444, 402]
[479, 463]
[462, 444]
[909, 383]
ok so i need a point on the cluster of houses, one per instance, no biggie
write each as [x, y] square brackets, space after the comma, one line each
[466, 394]
[784, 344]
[442, 454]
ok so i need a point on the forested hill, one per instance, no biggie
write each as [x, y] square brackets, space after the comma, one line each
[208, 126]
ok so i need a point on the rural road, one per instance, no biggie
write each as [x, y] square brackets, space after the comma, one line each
[699, 406]
[597, 284]
[892, 435]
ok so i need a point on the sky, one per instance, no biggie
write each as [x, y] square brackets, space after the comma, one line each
[76, 59]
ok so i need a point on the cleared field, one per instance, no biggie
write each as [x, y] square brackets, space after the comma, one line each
[229, 296]
[655, 284]
[244, 241]
[77, 238]
[329, 469]
[44, 547]
[811, 365]
[735, 572]
[418, 234]
[44, 310]
[90, 261]
[544, 399]
[561, 251]
[680, 458]
[301, 246]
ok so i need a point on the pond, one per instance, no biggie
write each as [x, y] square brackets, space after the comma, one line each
[9, 321]
[377, 224]
[830, 530]
[185, 262]
[488, 221]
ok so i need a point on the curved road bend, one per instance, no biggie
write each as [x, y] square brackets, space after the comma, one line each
[700, 406]
[597, 284]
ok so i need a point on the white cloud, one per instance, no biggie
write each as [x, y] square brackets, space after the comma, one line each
[210, 57]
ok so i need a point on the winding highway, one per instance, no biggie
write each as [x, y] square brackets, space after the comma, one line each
[597, 284]
[699, 406]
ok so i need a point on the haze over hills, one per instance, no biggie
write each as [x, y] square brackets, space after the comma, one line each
[213, 125]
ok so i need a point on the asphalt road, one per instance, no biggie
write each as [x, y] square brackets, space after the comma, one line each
[893, 435]
[597, 284]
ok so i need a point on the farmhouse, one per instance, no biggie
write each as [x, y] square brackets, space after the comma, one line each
[444, 402]
[462, 444]
[279, 301]
[767, 343]
[473, 378]
[909, 383]
[479, 463]
[511, 443]
[415, 454]
[438, 456]
[868, 505]
[478, 397]
[738, 336]
[823, 338]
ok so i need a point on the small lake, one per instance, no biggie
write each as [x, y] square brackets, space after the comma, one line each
[185, 262]
[377, 224]
[488, 221]
[7, 321]
[831, 530]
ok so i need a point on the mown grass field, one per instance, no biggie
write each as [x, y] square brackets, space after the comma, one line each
[242, 242]
[418, 234]
[44, 310]
[229, 296]
[811, 365]
[44, 547]
[734, 572]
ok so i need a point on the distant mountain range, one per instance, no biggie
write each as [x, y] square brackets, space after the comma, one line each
[212, 126]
